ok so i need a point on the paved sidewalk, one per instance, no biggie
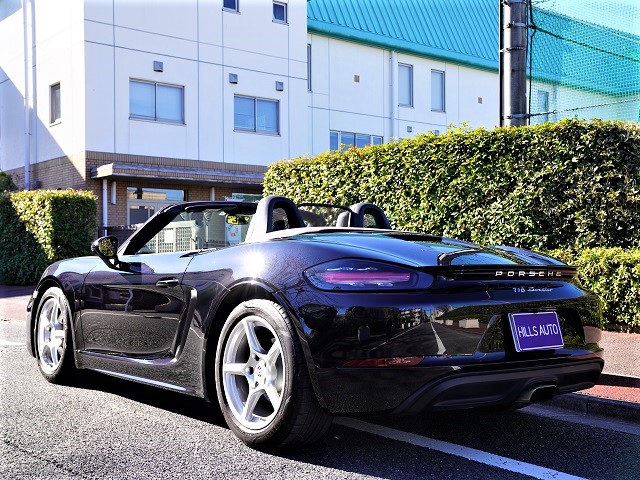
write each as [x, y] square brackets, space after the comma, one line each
[614, 396]
[621, 352]
[13, 301]
[617, 393]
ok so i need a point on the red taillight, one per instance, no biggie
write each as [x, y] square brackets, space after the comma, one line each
[361, 275]
[364, 277]
[383, 362]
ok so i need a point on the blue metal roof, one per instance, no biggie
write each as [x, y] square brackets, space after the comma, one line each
[461, 31]
[596, 58]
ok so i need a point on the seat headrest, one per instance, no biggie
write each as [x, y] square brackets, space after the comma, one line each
[343, 219]
[369, 215]
[273, 213]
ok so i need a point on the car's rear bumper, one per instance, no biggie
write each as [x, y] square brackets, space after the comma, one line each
[517, 386]
[424, 388]
[441, 349]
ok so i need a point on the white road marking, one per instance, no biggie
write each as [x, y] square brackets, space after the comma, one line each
[9, 343]
[441, 348]
[606, 423]
[479, 456]
[395, 337]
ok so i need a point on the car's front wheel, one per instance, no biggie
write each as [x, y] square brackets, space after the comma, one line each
[53, 336]
[262, 380]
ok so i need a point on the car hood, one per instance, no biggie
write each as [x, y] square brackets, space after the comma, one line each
[423, 250]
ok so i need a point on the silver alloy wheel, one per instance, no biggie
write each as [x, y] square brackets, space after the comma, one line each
[51, 334]
[253, 372]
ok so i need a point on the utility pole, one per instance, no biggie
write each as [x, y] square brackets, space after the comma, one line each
[514, 30]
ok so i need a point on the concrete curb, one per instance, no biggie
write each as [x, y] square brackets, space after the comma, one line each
[590, 405]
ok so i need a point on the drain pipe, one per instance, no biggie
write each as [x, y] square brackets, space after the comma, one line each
[27, 104]
[393, 94]
[105, 206]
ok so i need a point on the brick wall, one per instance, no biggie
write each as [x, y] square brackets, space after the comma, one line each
[118, 212]
[58, 173]
[75, 172]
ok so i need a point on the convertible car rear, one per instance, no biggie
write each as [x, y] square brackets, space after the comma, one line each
[286, 314]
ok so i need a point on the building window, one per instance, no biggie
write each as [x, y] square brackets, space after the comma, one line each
[156, 101]
[437, 91]
[334, 140]
[345, 140]
[256, 114]
[543, 106]
[309, 67]
[245, 197]
[405, 85]
[363, 140]
[280, 12]
[230, 5]
[143, 203]
[54, 103]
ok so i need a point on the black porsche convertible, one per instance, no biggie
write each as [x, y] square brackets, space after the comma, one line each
[288, 314]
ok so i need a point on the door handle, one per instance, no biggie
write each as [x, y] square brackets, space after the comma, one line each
[168, 282]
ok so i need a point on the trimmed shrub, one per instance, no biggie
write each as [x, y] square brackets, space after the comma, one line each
[573, 184]
[613, 274]
[6, 183]
[40, 227]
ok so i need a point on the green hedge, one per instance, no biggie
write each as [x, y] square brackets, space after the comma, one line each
[572, 184]
[613, 274]
[40, 227]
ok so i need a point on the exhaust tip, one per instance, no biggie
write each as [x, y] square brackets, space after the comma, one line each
[539, 393]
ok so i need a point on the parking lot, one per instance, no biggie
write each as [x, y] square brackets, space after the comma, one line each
[107, 428]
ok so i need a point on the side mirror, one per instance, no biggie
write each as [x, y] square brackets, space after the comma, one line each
[107, 249]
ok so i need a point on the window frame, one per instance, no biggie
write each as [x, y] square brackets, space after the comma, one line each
[155, 103]
[285, 8]
[55, 105]
[255, 116]
[230, 9]
[410, 67]
[443, 98]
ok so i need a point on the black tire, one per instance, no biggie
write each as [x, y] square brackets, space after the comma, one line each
[52, 336]
[264, 391]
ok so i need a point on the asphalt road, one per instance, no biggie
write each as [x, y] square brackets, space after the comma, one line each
[108, 428]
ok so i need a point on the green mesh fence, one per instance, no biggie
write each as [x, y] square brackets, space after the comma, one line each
[584, 60]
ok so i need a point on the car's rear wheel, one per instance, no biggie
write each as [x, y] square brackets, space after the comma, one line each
[262, 380]
[53, 336]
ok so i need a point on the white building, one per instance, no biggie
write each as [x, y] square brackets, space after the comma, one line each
[151, 102]
[136, 98]
[394, 70]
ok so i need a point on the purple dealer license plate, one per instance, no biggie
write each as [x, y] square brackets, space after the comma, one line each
[536, 331]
